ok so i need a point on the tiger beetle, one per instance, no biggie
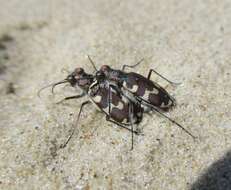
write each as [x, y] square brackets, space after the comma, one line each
[139, 89]
[118, 109]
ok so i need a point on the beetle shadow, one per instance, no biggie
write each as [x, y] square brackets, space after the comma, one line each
[217, 176]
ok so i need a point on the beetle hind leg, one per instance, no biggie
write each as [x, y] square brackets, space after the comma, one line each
[171, 82]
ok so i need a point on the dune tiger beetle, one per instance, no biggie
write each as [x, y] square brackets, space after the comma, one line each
[139, 89]
[118, 109]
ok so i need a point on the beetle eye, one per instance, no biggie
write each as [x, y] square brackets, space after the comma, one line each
[70, 77]
[105, 68]
[79, 71]
[99, 75]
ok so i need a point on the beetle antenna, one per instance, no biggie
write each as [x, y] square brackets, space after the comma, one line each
[54, 85]
[93, 64]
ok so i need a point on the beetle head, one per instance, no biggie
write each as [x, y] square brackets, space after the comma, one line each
[80, 78]
[100, 76]
[77, 78]
[112, 74]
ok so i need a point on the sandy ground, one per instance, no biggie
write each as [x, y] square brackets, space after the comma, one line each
[187, 41]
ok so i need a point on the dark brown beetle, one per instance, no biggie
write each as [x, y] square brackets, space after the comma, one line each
[145, 90]
[139, 89]
[117, 108]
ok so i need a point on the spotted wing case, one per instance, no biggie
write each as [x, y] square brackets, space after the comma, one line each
[148, 91]
[119, 105]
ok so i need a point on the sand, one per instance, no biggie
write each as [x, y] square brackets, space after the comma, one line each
[186, 41]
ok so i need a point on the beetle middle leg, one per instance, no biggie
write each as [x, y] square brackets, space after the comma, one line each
[131, 111]
[77, 121]
[152, 70]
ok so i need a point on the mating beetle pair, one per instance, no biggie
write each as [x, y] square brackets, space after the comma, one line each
[121, 96]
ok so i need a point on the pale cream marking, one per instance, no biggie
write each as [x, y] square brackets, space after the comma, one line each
[147, 92]
[165, 106]
[106, 110]
[120, 106]
[124, 84]
[97, 98]
[93, 84]
[113, 91]
[155, 91]
[139, 114]
[170, 103]
[162, 105]
[96, 106]
[134, 88]
[133, 120]
[127, 96]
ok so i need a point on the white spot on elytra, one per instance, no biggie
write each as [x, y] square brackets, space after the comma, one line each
[97, 98]
[147, 92]
[165, 106]
[106, 110]
[155, 91]
[139, 114]
[162, 105]
[134, 88]
[120, 106]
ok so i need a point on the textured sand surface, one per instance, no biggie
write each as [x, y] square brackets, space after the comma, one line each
[187, 41]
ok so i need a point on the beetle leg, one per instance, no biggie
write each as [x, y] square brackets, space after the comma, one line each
[109, 100]
[173, 121]
[77, 121]
[130, 108]
[108, 118]
[71, 97]
[132, 66]
[152, 70]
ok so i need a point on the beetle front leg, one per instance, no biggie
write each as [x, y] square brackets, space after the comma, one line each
[77, 121]
[71, 97]
[131, 111]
